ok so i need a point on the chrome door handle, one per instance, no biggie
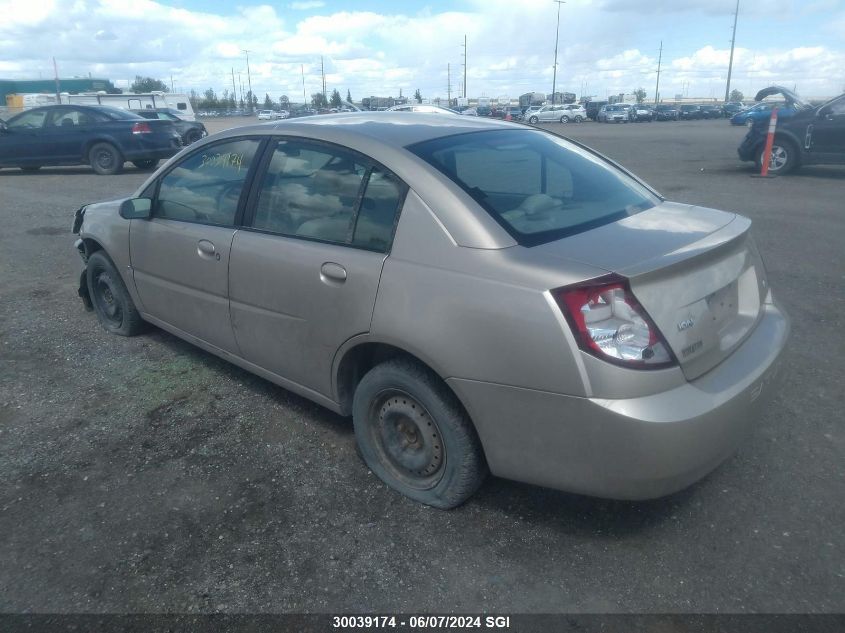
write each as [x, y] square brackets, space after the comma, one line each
[207, 250]
[332, 273]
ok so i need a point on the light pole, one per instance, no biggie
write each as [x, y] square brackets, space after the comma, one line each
[557, 38]
[731, 62]
[249, 80]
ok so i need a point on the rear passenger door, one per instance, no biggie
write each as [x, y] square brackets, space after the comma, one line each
[305, 269]
[180, 257]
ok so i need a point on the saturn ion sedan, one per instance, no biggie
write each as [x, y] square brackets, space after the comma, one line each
[478, 296]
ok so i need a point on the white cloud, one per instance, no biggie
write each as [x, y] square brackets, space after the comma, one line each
[305, 5]
[509, 47]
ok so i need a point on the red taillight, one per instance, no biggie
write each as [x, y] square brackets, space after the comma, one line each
[609, 323]
[141, 128]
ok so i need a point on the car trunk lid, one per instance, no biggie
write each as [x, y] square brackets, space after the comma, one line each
[696, 271]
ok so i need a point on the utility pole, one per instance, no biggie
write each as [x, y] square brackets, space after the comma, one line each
[731, 62]
[249, 79]
[465, 66]
[171, 83]
[240, 81]
[304, 98]
[449, 84]
[323, 73]
[234, 89]
[58, 87]
[657, 87]
[557, 38]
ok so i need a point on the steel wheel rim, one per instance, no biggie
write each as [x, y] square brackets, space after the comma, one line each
[407, 438]
[107, 302]
[105, 158]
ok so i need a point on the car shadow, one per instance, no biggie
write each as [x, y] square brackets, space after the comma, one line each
[576, 514]
[255, 384]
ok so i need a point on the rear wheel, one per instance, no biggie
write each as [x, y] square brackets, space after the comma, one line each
[415, 436]
[148, 163]
[783, 158]
[114, 307]
[105, 158]
[578, 118]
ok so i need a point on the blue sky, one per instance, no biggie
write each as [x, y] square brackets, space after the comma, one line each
[374, 47]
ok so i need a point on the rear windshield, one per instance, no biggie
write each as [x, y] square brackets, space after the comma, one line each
[538, 186]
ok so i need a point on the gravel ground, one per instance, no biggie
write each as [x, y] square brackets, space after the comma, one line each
[145, 475]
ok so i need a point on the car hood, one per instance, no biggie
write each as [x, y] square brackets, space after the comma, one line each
[792, 99]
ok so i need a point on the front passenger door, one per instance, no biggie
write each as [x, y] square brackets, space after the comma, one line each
[829, 130]
[180, 257]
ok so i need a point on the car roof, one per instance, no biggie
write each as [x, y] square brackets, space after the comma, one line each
[390, 128]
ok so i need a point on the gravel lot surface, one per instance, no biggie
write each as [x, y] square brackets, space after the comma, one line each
[145, 475]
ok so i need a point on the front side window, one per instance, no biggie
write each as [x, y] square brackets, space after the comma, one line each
[33, 120]
[206, 186]
[539, 187]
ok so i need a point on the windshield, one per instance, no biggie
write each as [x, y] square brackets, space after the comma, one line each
[538, 186]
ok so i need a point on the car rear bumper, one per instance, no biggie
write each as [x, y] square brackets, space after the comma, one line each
[146, 148]
[635, 448]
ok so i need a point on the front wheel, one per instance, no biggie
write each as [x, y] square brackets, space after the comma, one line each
[533, 119]
[192, 136]
[105, 158]
[783, 158]
[415, 436]
[564, 119]
[114, 307]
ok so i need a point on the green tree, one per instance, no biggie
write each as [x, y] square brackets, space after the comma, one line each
[348, 96]
[318, 100]
[210, 100]
[418, 96]
[335, 100]
[148, 84]
[736, 95]
[268, 102]
[284, 102]
[641, 94]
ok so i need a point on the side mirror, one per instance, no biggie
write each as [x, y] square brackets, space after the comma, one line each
[136, 209]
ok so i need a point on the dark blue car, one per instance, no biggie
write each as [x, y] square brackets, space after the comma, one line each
[100, 136]
[760, 112]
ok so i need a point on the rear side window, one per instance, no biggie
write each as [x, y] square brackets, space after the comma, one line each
[329, 194]
[206, 186]
[539, 187]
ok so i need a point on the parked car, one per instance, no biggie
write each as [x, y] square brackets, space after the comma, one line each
[689, 112]
[807, 136]
[762, 112]
[711, 111]
[469, 112]
[514, 112]
[614, 113]
[731, 108]
[642, 112]
[592, 109]
[101, 136]
[527, 112]
[475, 294]
[564, 113]
[189, 131]
[266, 115]
[665, 113]
[422, 107]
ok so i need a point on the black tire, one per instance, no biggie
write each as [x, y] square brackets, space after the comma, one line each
[192, 136]
[533, 119]
[415, 436]
[114, 307]
[784, 157]
[564, 119]
[578, 118]
[31, 168]
[105, 159]
[149, 163]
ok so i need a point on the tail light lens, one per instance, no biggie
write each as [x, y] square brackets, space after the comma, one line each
[608, 322]
[141, 128]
